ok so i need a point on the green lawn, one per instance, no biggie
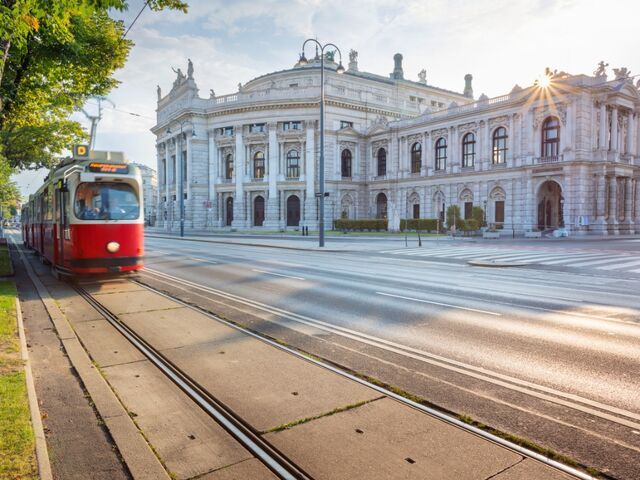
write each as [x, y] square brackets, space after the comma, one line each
[17, 449]
[5, 261]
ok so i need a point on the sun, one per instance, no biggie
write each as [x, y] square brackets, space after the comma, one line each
[544, 81]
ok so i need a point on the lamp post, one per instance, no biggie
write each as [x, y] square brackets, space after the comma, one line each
[180, 169]
[340, 70]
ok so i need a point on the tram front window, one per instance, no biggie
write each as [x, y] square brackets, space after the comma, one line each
[106, 201]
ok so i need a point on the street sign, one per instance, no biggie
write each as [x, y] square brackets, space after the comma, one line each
[80, 151]
[318, 194]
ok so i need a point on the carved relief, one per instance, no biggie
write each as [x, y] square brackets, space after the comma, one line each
[502, 120]
[440, 132]
[411, 139]
[559, 110]
[466, 195]
[468, 127]
[380, 143]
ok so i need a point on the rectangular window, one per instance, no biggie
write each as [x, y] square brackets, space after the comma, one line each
[499, 217]
[295, 125]
[172, 170]
[416, 210]
[226, 131]
[257, 128]
[468, 207]
[345, 124]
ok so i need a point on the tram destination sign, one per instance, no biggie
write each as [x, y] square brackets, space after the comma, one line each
[108, 167]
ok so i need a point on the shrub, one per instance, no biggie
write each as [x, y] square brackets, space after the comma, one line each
[423, 224]
[376, 224]
[471, 225]
[453, 215]
[477, 213]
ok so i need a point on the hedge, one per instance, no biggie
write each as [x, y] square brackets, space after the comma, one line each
[376, 224]
[424, 224]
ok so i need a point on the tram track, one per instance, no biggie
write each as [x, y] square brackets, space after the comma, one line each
[400, 398]
[250, 439]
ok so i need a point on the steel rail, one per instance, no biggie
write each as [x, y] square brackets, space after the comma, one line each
[273, 459]
[418, 406]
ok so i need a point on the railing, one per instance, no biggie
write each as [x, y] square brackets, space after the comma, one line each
[549, 159]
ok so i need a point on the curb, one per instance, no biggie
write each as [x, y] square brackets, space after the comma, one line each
[483, 263]
[282, 247]
[137, 454]
[42, 454]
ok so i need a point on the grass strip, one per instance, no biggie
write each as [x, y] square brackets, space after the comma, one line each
[5, 260]
[17, 444]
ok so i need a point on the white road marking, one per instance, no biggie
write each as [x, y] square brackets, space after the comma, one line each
[621, 265]
[202, 260]
[439, 304]
[276, 274]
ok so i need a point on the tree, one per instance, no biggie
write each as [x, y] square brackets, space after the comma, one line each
[54, 55]
[453, 216]
[477, 213]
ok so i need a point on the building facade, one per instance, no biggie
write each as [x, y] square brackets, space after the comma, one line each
[566, 153]
[149, 193]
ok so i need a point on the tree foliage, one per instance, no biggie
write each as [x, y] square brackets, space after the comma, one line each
[54, 54]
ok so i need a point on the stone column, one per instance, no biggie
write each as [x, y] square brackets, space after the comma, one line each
[271, 214]
[614, 129]
[213, 163]
[631, 130]
[453, 160]
[628, 205]
[424, 159]
[599, 195]
[310, 211]
[238, 200]
[486, 147]
[604, 120]
[167, 157]
[613, 205]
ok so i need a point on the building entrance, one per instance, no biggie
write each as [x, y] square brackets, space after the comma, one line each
[550, 205]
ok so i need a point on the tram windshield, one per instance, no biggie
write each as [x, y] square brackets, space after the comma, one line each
[106, 201]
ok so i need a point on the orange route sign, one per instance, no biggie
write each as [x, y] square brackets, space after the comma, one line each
[81, 151]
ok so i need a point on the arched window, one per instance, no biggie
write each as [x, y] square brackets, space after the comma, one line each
[293, 211]
[382, 162]
[381, 206]
[550, 137]
[228, 167]
[468, 150]
[258, 165]
[441, 154]
[499, 146]
[416, 157]
[293, 164]
[346, 163]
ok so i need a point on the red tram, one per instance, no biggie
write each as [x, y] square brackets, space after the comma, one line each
[88, 218]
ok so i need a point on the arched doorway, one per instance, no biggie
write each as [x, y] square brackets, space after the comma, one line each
[258, 211]
[381, 206]
[550, 200]
[293, 211]
[229, 211]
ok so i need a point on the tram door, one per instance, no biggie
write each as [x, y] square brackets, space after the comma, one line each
[62, 221]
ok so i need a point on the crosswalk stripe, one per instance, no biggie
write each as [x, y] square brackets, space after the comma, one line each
[581, 256]
[596, 262]
[619, 266]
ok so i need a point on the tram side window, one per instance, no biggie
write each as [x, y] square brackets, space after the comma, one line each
[106, 201]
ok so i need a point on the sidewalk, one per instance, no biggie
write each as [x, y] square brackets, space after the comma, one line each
[332, 427]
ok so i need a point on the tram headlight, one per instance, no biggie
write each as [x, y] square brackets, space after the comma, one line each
[113, 247]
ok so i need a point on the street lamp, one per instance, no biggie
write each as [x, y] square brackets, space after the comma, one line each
[339, 70]
[180, 169]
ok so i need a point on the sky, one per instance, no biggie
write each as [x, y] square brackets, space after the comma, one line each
[500, 42]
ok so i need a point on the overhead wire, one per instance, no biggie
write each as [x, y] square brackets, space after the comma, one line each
[135, 19]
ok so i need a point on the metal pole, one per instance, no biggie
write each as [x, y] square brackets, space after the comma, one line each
[321, 166]
[181, 186]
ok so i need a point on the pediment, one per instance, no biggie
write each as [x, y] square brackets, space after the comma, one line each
[348, 132]
[377, 128]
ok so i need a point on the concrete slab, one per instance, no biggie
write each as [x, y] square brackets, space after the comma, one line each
[71, 304]
[141, 464]
[249, 469]
[265, 386]
[111, 286]
[138, 301]
[187, 440]
[177, 327]
[387, 440]
[529, 469]
[105, 344]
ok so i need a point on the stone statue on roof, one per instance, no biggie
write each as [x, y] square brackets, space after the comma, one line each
[601, 70]
[422, 76]
[159, 91]
[189, 69]
[180, 78]
[622, 73]
[353, 55]
[212, 94]
[330, 56]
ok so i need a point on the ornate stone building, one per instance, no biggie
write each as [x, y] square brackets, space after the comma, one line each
[149, 193]
[566, 153]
